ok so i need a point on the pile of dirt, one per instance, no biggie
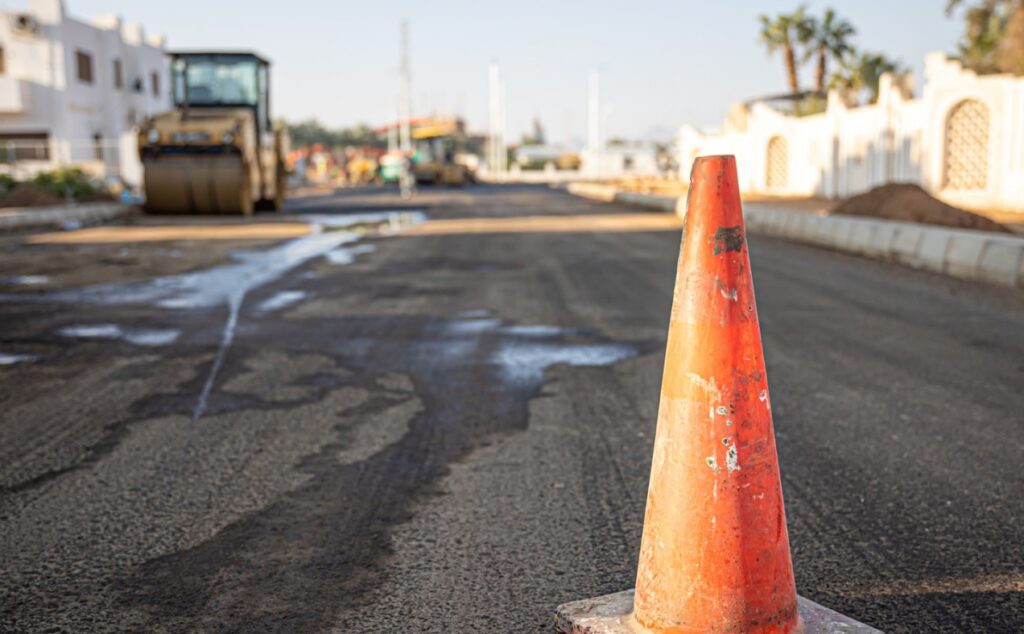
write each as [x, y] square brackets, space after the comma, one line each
[910, 203]
[28, 195]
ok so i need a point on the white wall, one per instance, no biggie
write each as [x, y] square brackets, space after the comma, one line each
[42, 66]
[848, 150]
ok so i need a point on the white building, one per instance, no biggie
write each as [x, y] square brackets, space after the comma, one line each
[617, 161]
[71, 92]
[962, 140]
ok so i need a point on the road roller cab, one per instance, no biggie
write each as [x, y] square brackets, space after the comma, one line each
[218, 150]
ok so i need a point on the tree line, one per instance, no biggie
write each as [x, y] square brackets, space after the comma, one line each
[312, 132]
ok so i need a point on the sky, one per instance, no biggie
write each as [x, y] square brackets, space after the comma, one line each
[662, 64]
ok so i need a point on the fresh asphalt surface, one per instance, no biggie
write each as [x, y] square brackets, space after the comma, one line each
[452, 433]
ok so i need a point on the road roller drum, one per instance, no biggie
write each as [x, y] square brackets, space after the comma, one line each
[197, 186]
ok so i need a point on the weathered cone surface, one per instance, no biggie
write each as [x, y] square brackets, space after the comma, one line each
[715, 552]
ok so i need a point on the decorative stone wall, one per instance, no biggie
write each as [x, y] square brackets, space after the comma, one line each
[962, 139]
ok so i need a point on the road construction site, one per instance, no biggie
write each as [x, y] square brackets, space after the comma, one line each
[437, 415]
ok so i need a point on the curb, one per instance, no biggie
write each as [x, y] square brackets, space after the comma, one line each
[980, 256]
[49, 217]
[594, 191]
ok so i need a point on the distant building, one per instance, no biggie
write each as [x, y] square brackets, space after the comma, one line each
[616, 161]
[962, 140]
[71, 92]
[534, 155]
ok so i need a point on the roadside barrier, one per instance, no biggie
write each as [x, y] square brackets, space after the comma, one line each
[715, 551]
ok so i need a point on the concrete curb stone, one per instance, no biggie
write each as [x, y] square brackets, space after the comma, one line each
[982, 256]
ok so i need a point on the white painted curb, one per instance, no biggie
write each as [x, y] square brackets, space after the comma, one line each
[968, 254]
[46, 217]
[996, 258]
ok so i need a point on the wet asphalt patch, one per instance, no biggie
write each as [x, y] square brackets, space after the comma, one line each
[470, 380]
[470, 376]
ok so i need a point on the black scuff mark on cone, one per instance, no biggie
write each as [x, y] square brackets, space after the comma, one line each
[728, 239]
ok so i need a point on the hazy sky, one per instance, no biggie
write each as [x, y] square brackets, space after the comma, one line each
[662, 63]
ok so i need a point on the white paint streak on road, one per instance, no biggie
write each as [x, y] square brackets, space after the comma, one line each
[280, 300]
[136, 336]
[12, 359]
[26, 280]
[229, 284]
[226, 339]
[347, 255]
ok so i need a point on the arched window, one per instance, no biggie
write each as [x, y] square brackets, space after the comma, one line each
[966, 147]
[777, 163]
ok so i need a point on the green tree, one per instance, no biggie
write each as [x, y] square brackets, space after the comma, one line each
[785, 32]
[1011, 50]
[311, 132]
[825, 38]
[858, 71]
[993, 39]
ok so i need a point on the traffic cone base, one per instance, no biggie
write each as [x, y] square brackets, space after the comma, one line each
[714, 556]
[613, 614]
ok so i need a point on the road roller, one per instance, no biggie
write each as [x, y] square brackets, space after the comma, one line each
[438, 142]
[218, 151]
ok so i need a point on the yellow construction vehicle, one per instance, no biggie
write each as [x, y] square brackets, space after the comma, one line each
[437, 145]
[217, 151]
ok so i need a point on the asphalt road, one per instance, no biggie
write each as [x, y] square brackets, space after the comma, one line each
[452, 433]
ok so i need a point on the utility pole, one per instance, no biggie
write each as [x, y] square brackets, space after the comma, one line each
[503, 158]
[406, 181]
[393, 131]
[594, 121]
[494, 135]
[568, 131]
[404, 107]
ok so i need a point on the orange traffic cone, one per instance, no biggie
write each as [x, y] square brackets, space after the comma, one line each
[715, 552]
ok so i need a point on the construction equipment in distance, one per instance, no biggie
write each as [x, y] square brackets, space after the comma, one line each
[218, 151]
[438, 145]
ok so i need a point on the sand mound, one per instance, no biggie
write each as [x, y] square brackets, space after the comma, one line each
[910, 203]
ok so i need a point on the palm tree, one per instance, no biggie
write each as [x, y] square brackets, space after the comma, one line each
[994, 37]
[848, 76]
[1011, 50]
[785, 32]
[828, 37]
[864, 70]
